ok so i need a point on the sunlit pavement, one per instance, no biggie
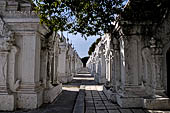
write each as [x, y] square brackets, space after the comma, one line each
[95, 101]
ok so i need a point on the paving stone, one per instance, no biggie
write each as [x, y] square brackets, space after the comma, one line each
[98, 102]
[111, 107]
[90, 111]
[101, 111]
[104, 99]
[138, 111]
[88, 94]
[107, 102]
[94, 92]
[100, 107]
[126, 111]
[96, 96]
[113, 111]
[89, 99]
[102, 96]
[97, 99]
[90, 107]
[88, 91]
[89, 104]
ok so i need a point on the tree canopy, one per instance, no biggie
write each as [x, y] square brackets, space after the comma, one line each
[88, 17]
[93, 46]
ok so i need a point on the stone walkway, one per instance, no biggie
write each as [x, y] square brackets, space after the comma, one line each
[95, 101]
[83, 95]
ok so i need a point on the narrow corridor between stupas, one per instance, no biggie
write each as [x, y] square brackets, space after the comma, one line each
[84, 95]
[127, 69]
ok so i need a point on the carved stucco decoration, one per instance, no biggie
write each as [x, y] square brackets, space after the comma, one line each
[156, 46]
[6, 46]
[6, 36]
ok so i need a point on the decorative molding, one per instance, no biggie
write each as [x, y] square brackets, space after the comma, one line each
[156, 46]
[6, 36]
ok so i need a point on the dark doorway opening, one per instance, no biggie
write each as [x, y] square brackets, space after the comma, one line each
[168, 71]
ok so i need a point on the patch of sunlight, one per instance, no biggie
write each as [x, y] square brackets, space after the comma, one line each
[158, 111]
[84, 74]
[158, 96]
[162, 99]
[94, 87]
[71, 88]
[83, 78]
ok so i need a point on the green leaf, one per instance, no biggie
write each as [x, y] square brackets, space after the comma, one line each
[88, 17]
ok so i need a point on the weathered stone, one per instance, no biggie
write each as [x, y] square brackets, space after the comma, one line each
[30, 60]
[29, 100]
[159, 103]
[130, 102]
[52, 93]
[7, 102]
[136, 56]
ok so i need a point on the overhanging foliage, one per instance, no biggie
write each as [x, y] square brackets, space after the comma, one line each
[88, 17]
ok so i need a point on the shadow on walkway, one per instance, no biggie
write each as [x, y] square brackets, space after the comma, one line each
[92, 96]
[82, 80]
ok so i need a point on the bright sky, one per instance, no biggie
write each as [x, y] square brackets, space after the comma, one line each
[80, 44]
